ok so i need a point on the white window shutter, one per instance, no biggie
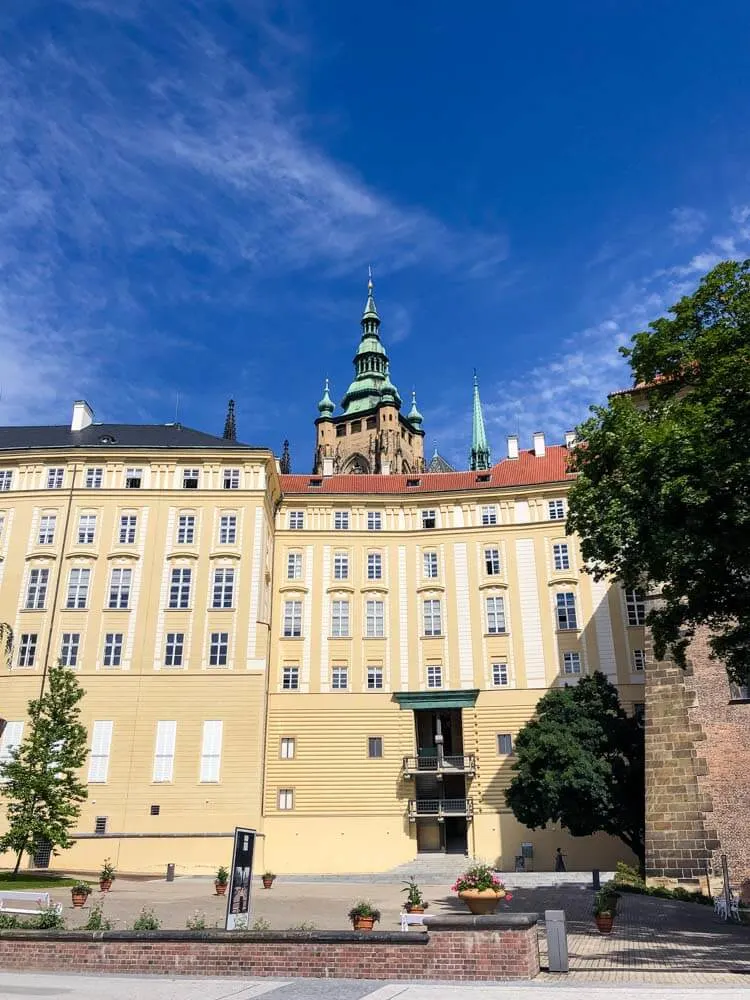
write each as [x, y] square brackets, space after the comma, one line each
[211, 750]
[166, 734]
[101, 741]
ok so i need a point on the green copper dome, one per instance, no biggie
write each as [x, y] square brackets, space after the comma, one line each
[326, 405]
[414, 416]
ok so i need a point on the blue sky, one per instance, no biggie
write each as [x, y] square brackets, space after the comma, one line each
[191, 192]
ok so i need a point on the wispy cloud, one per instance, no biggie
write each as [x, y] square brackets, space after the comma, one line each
[687, 223]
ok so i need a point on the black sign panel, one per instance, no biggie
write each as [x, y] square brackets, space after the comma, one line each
[240, 878]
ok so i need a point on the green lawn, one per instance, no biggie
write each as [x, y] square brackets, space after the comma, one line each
[31, 880]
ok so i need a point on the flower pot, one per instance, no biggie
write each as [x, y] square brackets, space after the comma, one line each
[267, 883]
[221, 888]
[79, 898]
[364, 923]
[481, 901]
[415, 909]
[604, 922]
[105, 884]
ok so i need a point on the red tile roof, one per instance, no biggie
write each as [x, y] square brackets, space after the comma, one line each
[526, 470]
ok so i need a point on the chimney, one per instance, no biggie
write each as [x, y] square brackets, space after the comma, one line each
[570, 440]
[512, 446]
[328, 466]
[539, 450]
[83, 415]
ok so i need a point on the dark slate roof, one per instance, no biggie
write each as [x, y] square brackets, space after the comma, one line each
[439, 464]
[173, 436]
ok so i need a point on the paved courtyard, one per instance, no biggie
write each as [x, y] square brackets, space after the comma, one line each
[655, 941]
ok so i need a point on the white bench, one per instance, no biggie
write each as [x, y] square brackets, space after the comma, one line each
[26, 903]
[410, 918]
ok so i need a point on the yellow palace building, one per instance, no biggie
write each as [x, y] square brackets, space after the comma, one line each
[340, 659]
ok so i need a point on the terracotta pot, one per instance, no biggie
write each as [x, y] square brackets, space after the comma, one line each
[415, 909]
[105, 884]
[267, 883]
[364, 923]
[481, 901]
[79, 898]
[604, 922]
[221, 888]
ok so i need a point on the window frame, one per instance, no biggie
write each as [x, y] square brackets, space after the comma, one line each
[341, 520]
[561, 555]
[120, 588]
[429, 615]
[336, 673]
[114, 643]
[430, 561]
[429, 518]
[340, 565]
[191, 478]
[180, 588]
[230, 478]
[635, 607]
[566, 611]
[293, 616]
[492, 562]
[489, 515]
[374, 747]
[218, 649]
[434, 673]
[222, 588]
[174, 649]
[6, 480]
[495, 622]
[504, 744]
[27, 649]
[55, 477]
[93, 477]
[286, 744]
[285, 796]
[556, 509]
[571, 659]
[185, 529]
[228, 529]
[374, 618]
[294, 562]
[374, 520]
[295, 520]
[70, 647]
[340, 618]
[37, 586]
[47, 529]
[374, 566]
[77, 593]
[374, 674]
[290, 677]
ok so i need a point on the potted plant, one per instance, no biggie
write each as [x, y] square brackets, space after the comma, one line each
[605, 908]
[268, 878]
[415, 901]
[363, 916]
[481, 889]
[79, 893]
[221, 881]
[106, 875]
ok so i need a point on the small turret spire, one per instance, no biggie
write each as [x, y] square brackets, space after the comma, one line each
[479, 457]
[326, 405]
[230, 424]
[370, 317]
[285, 462]
[414, 416]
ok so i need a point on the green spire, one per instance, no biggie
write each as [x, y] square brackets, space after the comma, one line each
[370, 379]
[326, 405]
[370, 314]
[389, 392]
[414, 416]
[480, 450]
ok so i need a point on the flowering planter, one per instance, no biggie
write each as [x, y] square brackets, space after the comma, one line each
[481, 901]
[221, 888]
[267, 883]
[79, 898]
[105, 884]
[604, 922]
[363, 923]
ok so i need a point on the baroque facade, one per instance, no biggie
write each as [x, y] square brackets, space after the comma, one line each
[340, 660]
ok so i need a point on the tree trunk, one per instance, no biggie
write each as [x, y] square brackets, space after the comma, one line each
[18, 861]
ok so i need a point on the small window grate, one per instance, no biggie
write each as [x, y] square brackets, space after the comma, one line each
[155, 810]
[100, 824]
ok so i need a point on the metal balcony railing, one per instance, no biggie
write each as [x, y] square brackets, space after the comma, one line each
[440, 808]
[464, 763]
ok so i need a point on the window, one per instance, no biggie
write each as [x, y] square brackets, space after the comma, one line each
[223, 596]
[296, 520]
[639, 659]
[166, 734]
[489, 515]
[339, 679]
[340, 619]
[374, 520]
[119, 588]
[556, 510]
[211, 750]
[340, 566]
[27, 649]
[739, 692]
[500, 674]
[86, 529]
[6, 480]
[185, 529]
[101, 741]
[566, 610]
[94, 478]
[374, 619]
[492, 562]
[218, 649]
[495, 615]
[290, 679]
[294, 566]
[47, 524]
[374, 678]
[78, 588]
[341, 520]
[133, 479]
[71, 642]
[36, 594]
[374, 566]
[292, 619]
[112, 649]
[228, 529]
[560, 555]
[432, 617]
[10, 741]
[571, 663]
[287, 747]
[286, 799]
[504, 744]
[190, 479]
[428, 519]
[434, 676]
[341, 430]
[179, 587]
[430, 565]
[55, 479]
[231, 479]
[636, 607]
[128, 525]
[174, 649]
[374, 746]
[100, 824]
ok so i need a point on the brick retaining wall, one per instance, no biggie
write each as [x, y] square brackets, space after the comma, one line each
[480, 948]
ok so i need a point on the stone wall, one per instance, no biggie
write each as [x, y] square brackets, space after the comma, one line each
[697, 770]
[482, 948]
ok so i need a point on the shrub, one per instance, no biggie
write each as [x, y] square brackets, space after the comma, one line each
[146, 921]
[108, 871]
[364, 909]
[627, 875]
[97, 921]
[305, 925]
[8, 922]
[197, 922]
[48, 920]
[222, 875]
[260, 924]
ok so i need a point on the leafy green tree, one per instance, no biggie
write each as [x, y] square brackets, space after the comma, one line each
[662, 498]
[580, 762]
[41, 784]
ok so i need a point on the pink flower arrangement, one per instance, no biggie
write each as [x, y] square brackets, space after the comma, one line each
[480, 877]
